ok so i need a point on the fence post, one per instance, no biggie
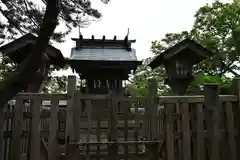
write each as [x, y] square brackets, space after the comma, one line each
[152, 85]
[2, 132]
[69, 137]
[112, 130]
[17, 130]
[236, 86]
[35, 130]
[153, 110]
[212, 105]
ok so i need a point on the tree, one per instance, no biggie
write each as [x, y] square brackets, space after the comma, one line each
[217, 28]
[138, 82]
[55, 84]
[24, 16]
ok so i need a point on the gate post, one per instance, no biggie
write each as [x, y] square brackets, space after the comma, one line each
[212, 105]
[236, 86]
[153, 110]
[112, 130]
[72, 148]
[71, 88]
[2, 133]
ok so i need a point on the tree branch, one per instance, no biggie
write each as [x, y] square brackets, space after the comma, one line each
[27, 10]
[30, 65]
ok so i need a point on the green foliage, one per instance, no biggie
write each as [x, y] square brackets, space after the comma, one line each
[217, 28]
[56, 84]
[138, 83]
[6, 67]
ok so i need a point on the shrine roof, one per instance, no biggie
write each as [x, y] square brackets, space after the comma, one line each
[103, 49]
[19, 49]
[103, 54]
[194, 50]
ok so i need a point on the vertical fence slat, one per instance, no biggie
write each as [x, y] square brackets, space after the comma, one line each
[70, 110]
[231, 131]
[35, 129]
[193, 129]
[72, 149]
[146, 121]
[77, 108]
[153, 108]
[2, 121]
[7, 143]
[28, 126]
[112, 132]
[17, 130]
[237, 87]
[178, 141]
[53, 130]
[169, 132]
[98, 138]
[137, 128]
[89, 106]
[186, 131]
[215, 137]
[200, 132]
[126, 107]
[212, 103]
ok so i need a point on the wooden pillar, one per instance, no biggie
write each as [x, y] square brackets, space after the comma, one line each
[17, 130]
[41, 75]
[212, 110]
[236, 86]
[2, 131]
[112, 130]
[152, 84]
[71, 88]
[153, 109]
[72, 149]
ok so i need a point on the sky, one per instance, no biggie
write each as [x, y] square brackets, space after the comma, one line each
[147, 20]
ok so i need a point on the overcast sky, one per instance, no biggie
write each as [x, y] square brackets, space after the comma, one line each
[148, 20]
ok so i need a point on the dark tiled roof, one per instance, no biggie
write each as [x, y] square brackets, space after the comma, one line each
[103, 49]
[199, 51]
[104, 54]
[29, 40]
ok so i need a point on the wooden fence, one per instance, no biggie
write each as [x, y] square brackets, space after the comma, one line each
[203, 127]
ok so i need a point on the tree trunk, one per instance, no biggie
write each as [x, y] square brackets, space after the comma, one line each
[41, 75]
[20, 80]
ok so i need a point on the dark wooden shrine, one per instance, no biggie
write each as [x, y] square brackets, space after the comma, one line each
[103, 63]
[20, 48]
[178, 61]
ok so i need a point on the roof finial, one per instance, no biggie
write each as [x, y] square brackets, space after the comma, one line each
[128, 32]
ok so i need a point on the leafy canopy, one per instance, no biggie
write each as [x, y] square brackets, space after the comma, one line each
[217, 28]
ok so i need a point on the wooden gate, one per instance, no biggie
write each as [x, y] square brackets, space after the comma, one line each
[203, 127]
[167, 127]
